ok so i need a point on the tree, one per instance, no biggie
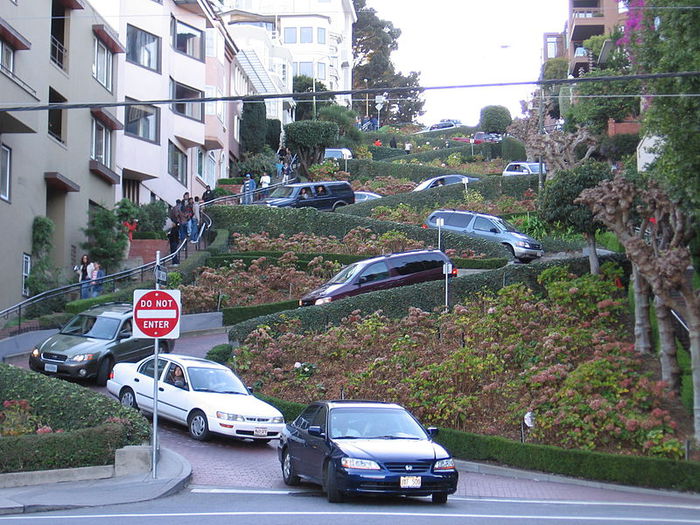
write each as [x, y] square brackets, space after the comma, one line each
[345, 119]
[495, 119]
[655, 233]
[557, 203]
[42, 276]
[273, 134]
[106, 239]
[308, 139]
[253, 127]
[305, 105]
[553, 69]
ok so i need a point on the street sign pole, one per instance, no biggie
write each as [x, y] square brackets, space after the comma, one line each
[447, 270]
[155, 391]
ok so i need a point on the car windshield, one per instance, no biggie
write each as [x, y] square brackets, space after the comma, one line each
[205, 379]
[374, 423]
[94, 326]
[282, 191]
[346, 274]
[505, 224]
[535, 168]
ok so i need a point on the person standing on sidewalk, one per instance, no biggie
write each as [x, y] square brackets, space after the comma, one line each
[96, 279]
[195, 221]
[208, 194]
[265, 181]
[174, 241]
[184, 216]
[84, 271]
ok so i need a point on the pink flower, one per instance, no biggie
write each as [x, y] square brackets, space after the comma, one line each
[44, 430]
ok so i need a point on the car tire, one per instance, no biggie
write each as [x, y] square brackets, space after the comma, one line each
[198, 425]
[439, 498]
[333, 494]
[289, 475]
[103, 370]
[511, 250]
[339, 204]
[127, 398]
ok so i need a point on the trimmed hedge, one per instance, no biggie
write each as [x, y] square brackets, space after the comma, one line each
[629, 470]
[479, 264]
[70, 407]
[512, 149]
[220, 242]
[369, 169]
[443, 153]
[382, 152]
[238, 314]
[395, 302]
[288, 221]
[123, 295]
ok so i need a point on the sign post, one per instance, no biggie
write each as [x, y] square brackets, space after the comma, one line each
[447, 270]
[440, 221]
[156, 316]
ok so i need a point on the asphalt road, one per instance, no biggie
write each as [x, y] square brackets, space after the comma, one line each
[217, 507]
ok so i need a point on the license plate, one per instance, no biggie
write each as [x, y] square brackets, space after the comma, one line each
[48, 367]
[260, 431]
[410, 482]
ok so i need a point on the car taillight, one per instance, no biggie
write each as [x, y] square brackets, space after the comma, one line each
[424, 226]
[111, 374]
[454, 271]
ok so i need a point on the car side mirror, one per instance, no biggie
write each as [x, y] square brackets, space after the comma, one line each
[315, 431]
[433, 431]
[124, 335]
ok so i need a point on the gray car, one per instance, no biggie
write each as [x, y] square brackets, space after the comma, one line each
[488, 227]
[91, 343]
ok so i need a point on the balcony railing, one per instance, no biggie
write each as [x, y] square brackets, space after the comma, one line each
[17, 80]
[59, 54]
[589, 12]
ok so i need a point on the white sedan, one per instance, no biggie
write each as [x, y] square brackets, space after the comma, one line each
[205, 396]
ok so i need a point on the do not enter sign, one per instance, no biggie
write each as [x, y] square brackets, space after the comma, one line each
[157, 314]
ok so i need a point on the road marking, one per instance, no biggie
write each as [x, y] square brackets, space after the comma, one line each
[356, 513]
[275, 492]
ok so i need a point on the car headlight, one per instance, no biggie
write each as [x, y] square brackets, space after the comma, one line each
[323, 300]
[279, 419]
[444, 464]
[362, 464]
[82, 357]
[35, 352]
[522, 244]
[230, 417]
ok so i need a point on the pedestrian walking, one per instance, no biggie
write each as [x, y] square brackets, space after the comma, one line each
[195, 220]
[84, 271]
[407, 148]
[185, 212]
[248, 188]
[392, 142]
[208, 194]
[96, 279]
[174, 241]
[265, 181]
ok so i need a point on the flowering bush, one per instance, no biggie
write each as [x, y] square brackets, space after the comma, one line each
[327, 170]
[385, 185]
[483, 365]
[16, 419]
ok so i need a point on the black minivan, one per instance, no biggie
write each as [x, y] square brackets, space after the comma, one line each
[381, 273]
[329, 195]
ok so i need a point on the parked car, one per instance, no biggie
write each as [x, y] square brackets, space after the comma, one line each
[91, 343]
[483, 137]
[489, 227]
[362, 196]
[205, 396]
[337, 153]
[362, 447]
[328, 195]
[523, 168]
[381, 273]
[444, 180]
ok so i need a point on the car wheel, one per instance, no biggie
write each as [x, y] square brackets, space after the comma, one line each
[127, 398]
[338, 205]
[288, 473]
[198, 425]
[103, 371]
[333, 494]
[439, 497]
[511, 250]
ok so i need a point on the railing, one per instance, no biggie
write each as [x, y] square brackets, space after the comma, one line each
[18, 80]
[589, 12]
[59, 54]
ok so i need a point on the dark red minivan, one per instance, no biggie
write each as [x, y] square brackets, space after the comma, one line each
[381, 273]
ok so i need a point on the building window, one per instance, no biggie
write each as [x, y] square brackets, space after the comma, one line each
[290, 35]
[186, 109]
[177, 163]
[26, 270]
[187, 39]
[7, 57]
[306, 68]
[5, 165]
[142, 121]
[142, 48]
[321, 70]
[101, 143]
[210, 169]
[199, 160]
[57, 128]
[321, 35]
[102, 67]
[306, 35]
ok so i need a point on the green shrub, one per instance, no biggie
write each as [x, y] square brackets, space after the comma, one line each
[289, 221]
[479, 264]
[382, 152]
[369, 169]
[123, 295]
[220, 242]
[290, 410]
[230, 181]
[512, 149]
[238, 314]
[303, 258]
[220, 353]
[443, 153]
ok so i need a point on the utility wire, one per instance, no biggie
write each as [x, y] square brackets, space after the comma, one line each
[366, 91]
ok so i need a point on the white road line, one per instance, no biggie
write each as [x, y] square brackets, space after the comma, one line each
[275, 492]
[355, 513]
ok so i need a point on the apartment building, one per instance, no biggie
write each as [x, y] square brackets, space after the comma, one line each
[318, 33]
[57, 163]
[175, 49]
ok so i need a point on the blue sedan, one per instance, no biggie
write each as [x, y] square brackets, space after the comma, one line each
[361, 447]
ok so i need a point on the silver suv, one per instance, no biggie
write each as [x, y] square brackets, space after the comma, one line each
[489, 227]
[91, 343]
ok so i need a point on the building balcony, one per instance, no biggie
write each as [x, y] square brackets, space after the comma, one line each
[586, 23]
[59, 54]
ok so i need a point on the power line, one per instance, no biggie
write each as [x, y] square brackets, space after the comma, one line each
[366, 91]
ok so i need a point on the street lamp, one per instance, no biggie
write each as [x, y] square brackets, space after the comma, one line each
[366, 101]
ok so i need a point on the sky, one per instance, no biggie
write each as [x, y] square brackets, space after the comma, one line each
[458, 42]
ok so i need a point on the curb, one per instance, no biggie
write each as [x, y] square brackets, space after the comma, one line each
[508, 472]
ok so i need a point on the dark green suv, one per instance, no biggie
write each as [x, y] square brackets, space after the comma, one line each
[91, 343]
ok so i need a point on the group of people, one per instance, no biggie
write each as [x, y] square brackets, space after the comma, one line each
[250, 185]
[183, 222]
[284, 165]
[90, 275]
